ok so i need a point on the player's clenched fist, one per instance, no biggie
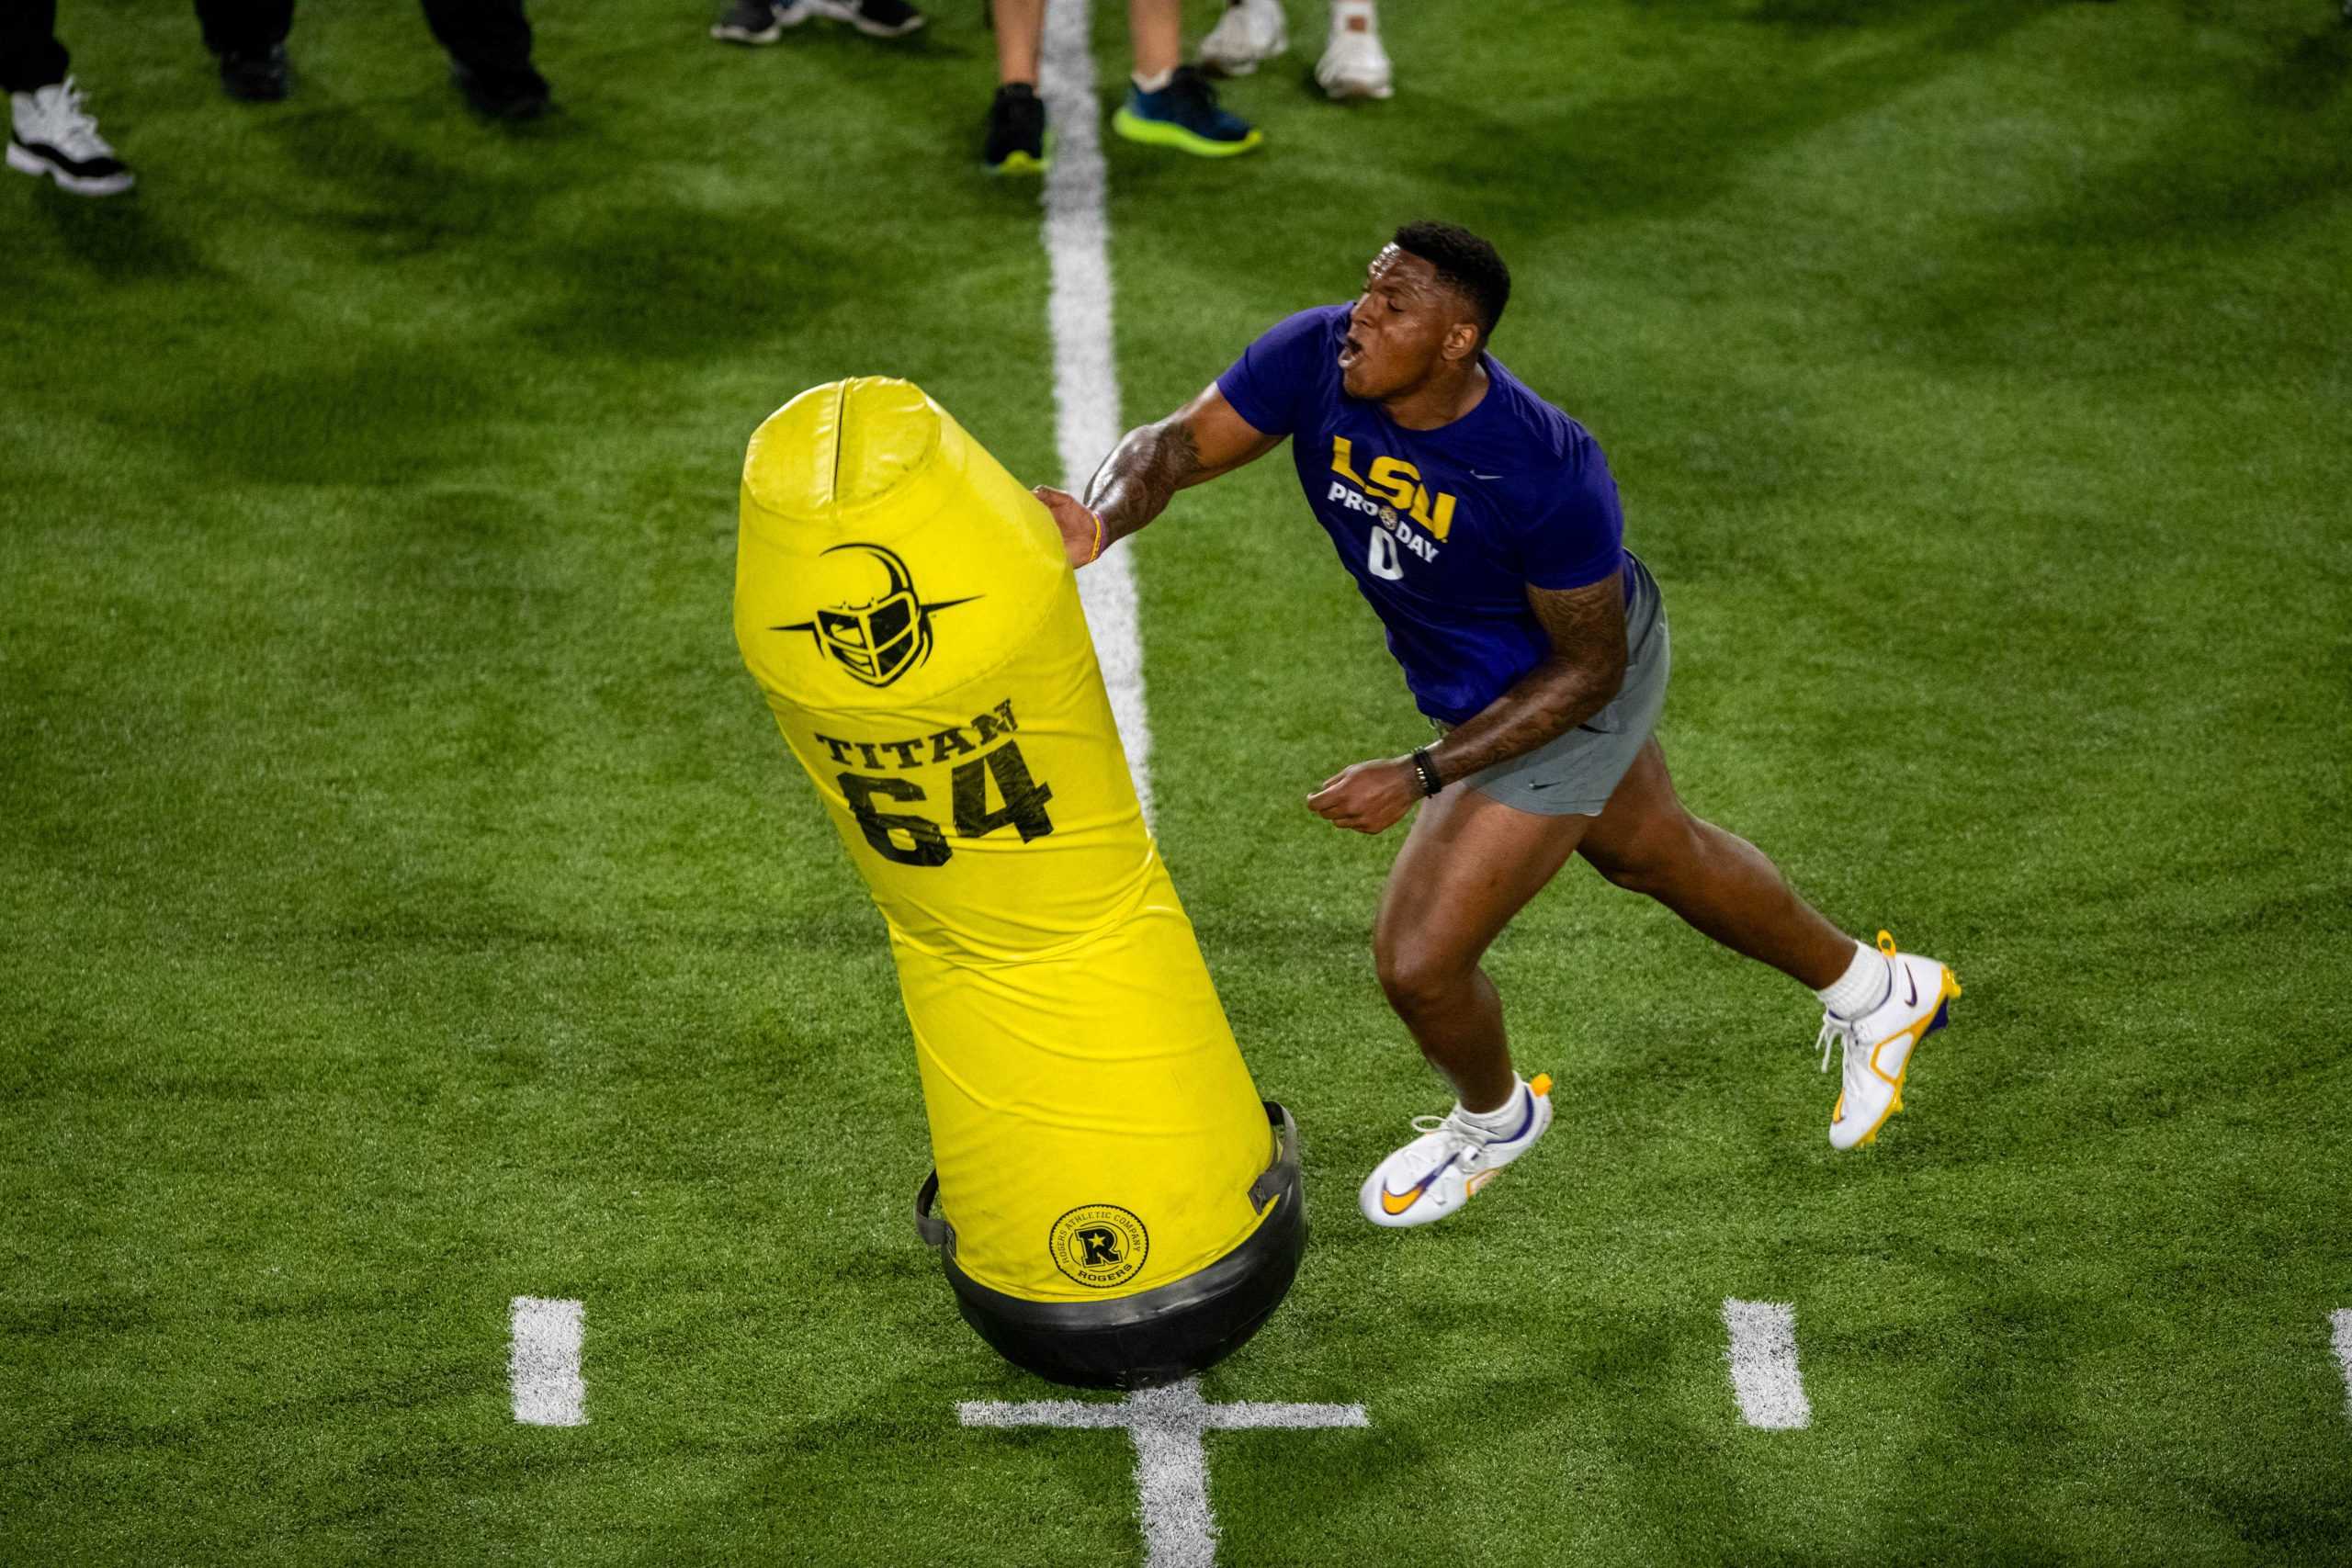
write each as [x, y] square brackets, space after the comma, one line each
[1370, 796]
[1081, 529]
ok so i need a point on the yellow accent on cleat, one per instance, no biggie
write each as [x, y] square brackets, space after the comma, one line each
[1161, 133]
[1541, 1083]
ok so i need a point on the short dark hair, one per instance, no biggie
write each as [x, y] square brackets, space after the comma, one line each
[1464, 262]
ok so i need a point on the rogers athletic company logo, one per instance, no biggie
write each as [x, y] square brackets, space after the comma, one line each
[1099, 1245]
[877, 628]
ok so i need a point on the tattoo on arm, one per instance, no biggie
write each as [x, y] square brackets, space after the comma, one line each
[1198, 442]
[1143, 472]
[1576, 680]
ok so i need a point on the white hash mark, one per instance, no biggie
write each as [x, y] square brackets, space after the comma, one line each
[1171, 1462]
[544, 1364]
[2340, 1321]
[1763, 1356]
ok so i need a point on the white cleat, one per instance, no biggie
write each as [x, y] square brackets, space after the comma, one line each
[1880, 1043]
[1439, 1171]
[1250, 33]
[1353, 64]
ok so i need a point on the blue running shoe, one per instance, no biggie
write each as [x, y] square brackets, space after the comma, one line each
[1184, 115]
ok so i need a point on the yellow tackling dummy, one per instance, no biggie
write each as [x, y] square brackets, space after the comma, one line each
[1105, 1165]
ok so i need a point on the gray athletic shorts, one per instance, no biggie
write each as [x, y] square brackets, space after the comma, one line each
[1575, 776]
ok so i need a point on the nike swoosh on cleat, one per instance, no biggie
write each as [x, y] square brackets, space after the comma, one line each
[1914, 987]
[1395, 1204]
[1476, 475]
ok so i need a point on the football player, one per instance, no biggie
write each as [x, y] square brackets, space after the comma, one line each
[1482, 525]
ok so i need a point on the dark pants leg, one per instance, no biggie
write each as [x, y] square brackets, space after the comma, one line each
[30, 56]
[245, 26]
[490, 35]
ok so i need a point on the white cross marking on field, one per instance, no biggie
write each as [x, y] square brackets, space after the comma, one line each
[1171, 1462]
[1763, 1358]
[542, 1368]
[2340, 1322]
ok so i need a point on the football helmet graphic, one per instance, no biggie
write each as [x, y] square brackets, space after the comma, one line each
[876, 627]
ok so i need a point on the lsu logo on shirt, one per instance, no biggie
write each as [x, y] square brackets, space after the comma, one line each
[1397, 484]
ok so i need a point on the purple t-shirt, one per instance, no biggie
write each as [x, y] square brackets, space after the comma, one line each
[1444, 529]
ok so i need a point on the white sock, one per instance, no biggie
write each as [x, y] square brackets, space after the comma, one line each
[1153, 83]
[1503, 1118]
[1863, 987]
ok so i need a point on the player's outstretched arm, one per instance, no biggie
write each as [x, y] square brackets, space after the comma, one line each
[1200, 441]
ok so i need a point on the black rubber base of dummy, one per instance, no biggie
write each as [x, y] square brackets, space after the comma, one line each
[1157, 1335]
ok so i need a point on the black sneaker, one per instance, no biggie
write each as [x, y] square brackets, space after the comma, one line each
[874, 19]
[1016, 139]
[501, 94]
[255, 78]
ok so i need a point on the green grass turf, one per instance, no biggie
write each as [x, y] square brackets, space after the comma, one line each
[407, 904]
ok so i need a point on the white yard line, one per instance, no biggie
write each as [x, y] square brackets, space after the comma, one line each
[2340, 1322]
[1086, 379]
[1171, 1462]
[1763, 1356]
[544, 1365]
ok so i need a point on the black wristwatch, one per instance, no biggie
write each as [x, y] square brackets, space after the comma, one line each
[1427, 768]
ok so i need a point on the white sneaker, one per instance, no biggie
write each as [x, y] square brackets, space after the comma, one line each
[1439, 1171]
[1251, 32]
[759, 21]
[874, 19]
[52, 134]
[1353, 64]
[1878, 1043]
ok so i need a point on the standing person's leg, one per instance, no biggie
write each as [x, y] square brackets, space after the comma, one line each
[490, 51]
[1879, 1003]
[489, 35]
[1020, 37]
[51, 133]
[1157, 30]
[248, 37]
[245, 26]
[1015, 140]
[30, 56]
